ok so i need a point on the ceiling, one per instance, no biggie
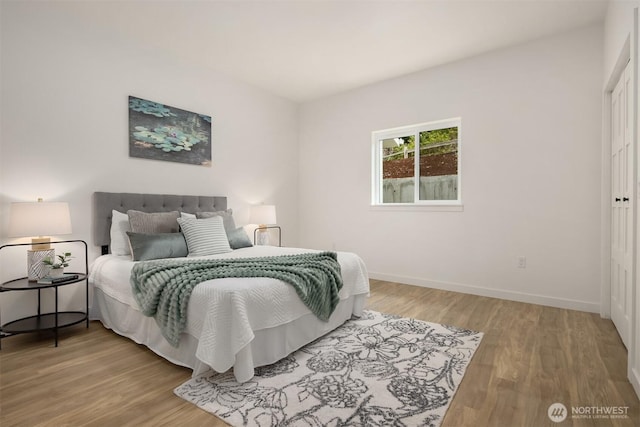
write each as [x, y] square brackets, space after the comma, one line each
[304, 50]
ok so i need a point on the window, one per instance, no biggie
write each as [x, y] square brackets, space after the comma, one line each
[428, 175]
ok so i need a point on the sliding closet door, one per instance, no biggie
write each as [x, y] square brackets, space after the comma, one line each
[622, 192]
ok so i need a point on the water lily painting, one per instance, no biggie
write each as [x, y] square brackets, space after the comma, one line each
[162, 132]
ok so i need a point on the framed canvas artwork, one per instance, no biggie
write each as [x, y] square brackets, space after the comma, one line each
[162, 132]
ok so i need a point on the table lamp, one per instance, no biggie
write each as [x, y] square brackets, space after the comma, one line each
[39, 220]
[262, 215]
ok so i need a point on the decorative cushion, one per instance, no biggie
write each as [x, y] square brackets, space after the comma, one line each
[238, 238]
[205, 236]
[119, 226]
[157, 222]
[187, 215]
[159, 245]
[227, 218]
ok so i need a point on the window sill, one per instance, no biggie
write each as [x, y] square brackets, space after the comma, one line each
[409, 207]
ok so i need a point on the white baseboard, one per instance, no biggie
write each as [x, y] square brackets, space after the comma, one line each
[634, 379]
[490, 292]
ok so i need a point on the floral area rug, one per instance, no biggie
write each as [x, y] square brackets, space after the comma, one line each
[377, 370]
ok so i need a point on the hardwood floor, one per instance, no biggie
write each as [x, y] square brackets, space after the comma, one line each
[530, 357]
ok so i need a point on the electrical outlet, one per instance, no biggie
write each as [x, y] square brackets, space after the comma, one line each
[522, 262]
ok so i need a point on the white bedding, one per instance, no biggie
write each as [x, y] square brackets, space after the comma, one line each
[239, 323]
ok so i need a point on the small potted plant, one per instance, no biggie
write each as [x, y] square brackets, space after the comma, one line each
[58, 264]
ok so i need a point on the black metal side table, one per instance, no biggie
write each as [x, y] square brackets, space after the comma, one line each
[46, 321]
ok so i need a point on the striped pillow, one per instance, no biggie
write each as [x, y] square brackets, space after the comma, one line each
[205, 236]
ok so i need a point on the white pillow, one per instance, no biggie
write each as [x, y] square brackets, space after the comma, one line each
[119, 239]
[187, 215]
[205, 236]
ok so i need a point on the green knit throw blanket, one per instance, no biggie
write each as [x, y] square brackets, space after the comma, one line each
[162, 287]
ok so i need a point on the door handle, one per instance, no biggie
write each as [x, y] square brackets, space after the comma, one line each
[625, 199]
[617, 199]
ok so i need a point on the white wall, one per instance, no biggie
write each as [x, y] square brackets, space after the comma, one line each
[617, 27]
[531, 127]
[64, 132]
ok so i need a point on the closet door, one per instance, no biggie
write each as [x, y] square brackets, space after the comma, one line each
[622, 181]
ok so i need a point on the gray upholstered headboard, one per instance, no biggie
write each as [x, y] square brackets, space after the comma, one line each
[104, 203]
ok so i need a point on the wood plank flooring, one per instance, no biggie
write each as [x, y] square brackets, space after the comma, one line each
[530, 357]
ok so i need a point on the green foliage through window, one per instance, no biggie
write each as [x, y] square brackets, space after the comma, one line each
[438, 141]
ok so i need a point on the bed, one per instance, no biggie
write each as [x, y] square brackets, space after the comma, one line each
[232, 323]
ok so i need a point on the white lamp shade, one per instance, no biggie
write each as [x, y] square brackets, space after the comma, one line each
[28, 219]
[262, 214]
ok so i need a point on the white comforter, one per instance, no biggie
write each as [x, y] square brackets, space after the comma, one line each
[224, 313]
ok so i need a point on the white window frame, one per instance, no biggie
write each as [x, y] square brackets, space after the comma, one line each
[376, 176]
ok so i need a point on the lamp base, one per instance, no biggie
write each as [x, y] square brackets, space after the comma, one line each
[40, 243]
[264, 239]
[35, 268]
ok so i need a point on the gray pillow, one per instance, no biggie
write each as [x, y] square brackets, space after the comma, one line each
[157, 222]
[227, 218]
[238, 239]
[158, 245]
